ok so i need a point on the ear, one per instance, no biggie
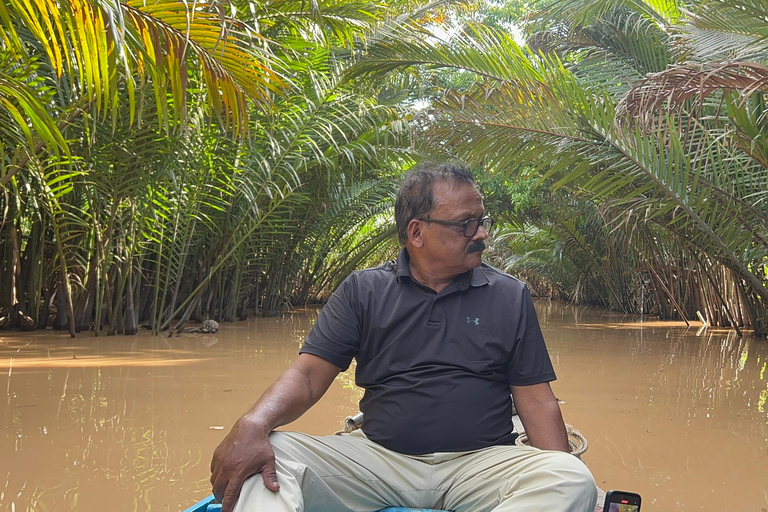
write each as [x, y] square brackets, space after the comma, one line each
[414, 233]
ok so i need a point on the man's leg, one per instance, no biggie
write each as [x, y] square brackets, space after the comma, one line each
[345, 473]
[515, 478]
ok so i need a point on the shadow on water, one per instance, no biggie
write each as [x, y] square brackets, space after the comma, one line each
[129, 423]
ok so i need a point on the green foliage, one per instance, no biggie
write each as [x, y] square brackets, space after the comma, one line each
[664, 156]
[158, 167]
[166, 162]
[514, 199]
[503, 14]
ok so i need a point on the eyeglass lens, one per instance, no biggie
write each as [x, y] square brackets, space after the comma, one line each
[470, 229]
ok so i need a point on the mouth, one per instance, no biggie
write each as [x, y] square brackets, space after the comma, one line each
[476, 247]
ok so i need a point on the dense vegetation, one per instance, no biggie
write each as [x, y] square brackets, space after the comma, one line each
[161, 164]
[625, 145]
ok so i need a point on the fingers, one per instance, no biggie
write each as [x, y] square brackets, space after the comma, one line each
[269, 474]
[232, 492]
[241, 455]
[218, 486]
[227, 485]
[230, 495]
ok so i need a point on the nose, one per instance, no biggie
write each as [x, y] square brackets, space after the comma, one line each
[481, 234]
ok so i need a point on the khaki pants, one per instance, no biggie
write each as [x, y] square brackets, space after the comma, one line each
[350, 473]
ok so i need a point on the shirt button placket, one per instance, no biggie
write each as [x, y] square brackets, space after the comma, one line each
[436, 317]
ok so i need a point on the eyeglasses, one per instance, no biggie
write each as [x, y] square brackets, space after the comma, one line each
[470, 225]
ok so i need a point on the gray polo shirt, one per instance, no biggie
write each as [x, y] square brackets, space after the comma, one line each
[436, 367]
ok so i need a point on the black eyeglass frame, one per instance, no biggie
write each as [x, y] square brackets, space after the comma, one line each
[463, 224]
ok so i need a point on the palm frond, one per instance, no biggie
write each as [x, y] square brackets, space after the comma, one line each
[722, 30]
[584, 12]
[489, 53]
[154, 42]
[327, 23]
[682, 83]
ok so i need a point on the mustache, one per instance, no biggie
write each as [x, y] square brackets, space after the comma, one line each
[476, 246]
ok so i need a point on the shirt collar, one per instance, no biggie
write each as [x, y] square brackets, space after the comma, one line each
[475, 277]
[479, 278]
[402, 268]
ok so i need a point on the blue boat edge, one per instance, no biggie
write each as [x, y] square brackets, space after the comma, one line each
[205, 505]
[208, 505]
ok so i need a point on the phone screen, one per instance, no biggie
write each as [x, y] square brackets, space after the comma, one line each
[622, 501]
[622, 507]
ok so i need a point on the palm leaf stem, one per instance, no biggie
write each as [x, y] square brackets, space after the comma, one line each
[54, 208]
[222, 258]
[188, 236]
[663, 286]
[730, 257]
[716, 289]
[285, 153]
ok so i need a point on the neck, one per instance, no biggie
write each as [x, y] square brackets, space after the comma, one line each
[428, 278]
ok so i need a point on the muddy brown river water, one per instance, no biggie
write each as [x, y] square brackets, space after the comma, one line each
[129, 423]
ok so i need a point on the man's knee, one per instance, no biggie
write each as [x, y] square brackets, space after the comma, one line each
[578, 484]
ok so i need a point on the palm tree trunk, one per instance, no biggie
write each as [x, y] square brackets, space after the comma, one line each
[15, 276]
[7, 291]
[84, 307]
[116, 299]
[32, 271]
[131, 323]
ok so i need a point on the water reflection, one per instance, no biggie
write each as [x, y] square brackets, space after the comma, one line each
[676, 415]
[129, 423]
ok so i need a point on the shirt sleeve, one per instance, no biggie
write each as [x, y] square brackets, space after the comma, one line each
[529, 362]
[336, 334]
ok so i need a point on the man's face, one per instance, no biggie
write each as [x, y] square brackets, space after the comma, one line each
[447, 249]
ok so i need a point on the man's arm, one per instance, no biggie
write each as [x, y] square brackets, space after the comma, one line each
[541, 417]
[246, 450]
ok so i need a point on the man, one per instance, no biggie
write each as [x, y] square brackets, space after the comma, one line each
[440, 341]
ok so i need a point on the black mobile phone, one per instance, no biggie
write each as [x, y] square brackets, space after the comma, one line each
[621, 501]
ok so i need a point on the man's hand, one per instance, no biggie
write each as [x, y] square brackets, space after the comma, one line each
[245, 452]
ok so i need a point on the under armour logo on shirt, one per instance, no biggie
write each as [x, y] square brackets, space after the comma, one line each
[476, 321]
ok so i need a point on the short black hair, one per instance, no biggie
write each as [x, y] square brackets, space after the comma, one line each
[416, 195]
